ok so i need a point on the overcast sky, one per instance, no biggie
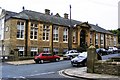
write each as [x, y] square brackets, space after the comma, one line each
[101, 12]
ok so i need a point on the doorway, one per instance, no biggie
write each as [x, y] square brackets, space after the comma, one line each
[82, 38]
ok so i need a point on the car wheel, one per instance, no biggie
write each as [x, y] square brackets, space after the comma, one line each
[72, 64]
[36, 62]
[41, 61]
[57, 59]
[84, 64]
[71, 57]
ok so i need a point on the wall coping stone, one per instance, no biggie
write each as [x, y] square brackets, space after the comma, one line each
[105, 62]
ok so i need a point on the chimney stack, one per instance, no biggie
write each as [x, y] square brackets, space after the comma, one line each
[96, 24]
[47, 11]
[66, 16]
[23, 8]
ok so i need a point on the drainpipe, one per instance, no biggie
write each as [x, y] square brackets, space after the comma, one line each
[104, 41]
[26, 38]
[52, 40]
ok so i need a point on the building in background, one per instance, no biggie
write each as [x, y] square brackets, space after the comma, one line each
[31, 31]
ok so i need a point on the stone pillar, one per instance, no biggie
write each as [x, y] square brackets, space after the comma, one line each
[16, 57]
[91, 58]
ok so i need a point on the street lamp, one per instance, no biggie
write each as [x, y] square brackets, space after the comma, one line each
[70, 33]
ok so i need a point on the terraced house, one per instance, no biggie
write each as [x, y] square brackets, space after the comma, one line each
[31, 31]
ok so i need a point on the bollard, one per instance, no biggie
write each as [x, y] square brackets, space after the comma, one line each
[91, 58]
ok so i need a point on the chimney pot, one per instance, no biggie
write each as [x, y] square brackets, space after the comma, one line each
[66, 16]
[96, 24]
[47, 11]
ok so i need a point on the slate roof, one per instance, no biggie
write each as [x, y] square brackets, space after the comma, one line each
[9, 14]
[32, 15]
[37, 16]
[99, 29]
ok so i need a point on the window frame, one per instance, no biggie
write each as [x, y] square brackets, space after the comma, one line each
[55, 50]
[102, 39]
[74, 37]
[46, 33]
[33, 29]
[65, 35]
[33, 49]
[55, 34]
[21, 48]
[20, 30]
[46, 50]
[96, 41]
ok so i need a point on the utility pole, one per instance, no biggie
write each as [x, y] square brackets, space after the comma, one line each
[118, 24]
[70, 33]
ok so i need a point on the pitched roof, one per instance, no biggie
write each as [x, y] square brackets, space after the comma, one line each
[37, 16]
[99, 29]
[32, 15]
[8, 14]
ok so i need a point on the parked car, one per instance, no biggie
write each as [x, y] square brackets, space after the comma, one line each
[41, 57]
[70, 54]
[112, 50]
[101, 51]
[81, 59]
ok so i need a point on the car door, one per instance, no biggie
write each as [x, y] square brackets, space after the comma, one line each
[44, 56]
[50, 56]
[75, 52]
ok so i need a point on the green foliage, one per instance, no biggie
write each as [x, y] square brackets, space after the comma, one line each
[115, 32]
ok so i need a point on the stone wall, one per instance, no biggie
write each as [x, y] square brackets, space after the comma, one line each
[104, 67]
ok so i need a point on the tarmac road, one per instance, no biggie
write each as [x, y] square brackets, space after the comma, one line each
[49, 70]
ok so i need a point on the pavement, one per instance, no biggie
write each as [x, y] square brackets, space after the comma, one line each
[81, 72]
[24, 62]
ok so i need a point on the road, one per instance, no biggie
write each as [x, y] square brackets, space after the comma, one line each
[37, 71]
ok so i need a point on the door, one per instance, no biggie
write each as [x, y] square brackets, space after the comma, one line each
[82, 38]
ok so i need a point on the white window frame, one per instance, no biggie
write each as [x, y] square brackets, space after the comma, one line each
[65, 35]
[90, 37]
[65, 50]
[55, 34]
[20, 28]
[21, 48]
[46, 32]
[115, 41]
[55, 50]
[46, 50]
[0, 48]
[34, 50]
[34, 29]
[74, 37]
[102, 39]
[96, 42]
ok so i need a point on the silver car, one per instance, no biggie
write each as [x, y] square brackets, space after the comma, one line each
[71, 54]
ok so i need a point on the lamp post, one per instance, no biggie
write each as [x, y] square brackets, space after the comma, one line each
[70, 33]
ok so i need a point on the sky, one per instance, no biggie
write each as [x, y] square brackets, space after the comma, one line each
[101, 12]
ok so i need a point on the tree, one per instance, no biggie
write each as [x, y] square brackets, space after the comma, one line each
[117, 32]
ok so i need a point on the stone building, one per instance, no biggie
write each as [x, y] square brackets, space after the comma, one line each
[31, 31]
